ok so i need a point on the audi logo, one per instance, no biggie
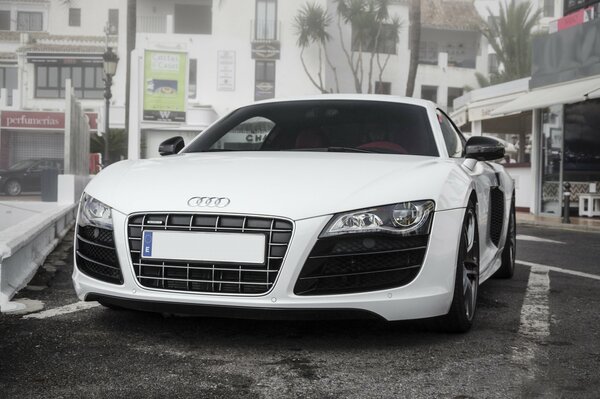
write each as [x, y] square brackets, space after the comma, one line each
[209, 202]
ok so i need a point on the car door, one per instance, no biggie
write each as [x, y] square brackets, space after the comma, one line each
[486, 185]
[31, 177]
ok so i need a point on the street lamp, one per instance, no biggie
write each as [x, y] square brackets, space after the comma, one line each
[110, 61]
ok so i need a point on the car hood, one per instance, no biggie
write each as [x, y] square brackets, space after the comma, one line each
[296, 185]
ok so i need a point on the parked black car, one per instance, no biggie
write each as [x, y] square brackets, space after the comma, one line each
[26, 176]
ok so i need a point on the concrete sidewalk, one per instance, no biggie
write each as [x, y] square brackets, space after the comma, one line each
[577, 223]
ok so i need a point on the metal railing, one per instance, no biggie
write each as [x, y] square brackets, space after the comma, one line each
[151, 24]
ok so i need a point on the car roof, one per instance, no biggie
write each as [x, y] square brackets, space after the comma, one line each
[354, 97]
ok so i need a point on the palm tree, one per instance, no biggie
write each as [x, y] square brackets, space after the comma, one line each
[311, 25]
[510, 36]
[372, 26]
[415, 40]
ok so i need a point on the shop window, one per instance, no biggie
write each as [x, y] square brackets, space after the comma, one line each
[194, 19]
[429, 93]
[386, 44]
[266, 20]
[383, 87]
[74, 16]
[264, 82]
[4, 20]
[113, 21]
[29, 21]
[87, 80]
[192, 78]
[582, 142]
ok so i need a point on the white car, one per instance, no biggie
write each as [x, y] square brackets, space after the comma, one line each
[335, 206]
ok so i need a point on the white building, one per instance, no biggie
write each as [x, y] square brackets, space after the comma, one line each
[254, 44]
[43, 43]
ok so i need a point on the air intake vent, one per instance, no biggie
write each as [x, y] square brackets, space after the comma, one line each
[360, 263]
[496, 214]
[96, 255]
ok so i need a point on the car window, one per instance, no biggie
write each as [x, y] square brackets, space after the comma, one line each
[248, 135]
[452, 138]
[331, 125]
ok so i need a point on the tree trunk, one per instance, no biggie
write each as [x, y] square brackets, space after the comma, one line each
[415, 39]
[131, 32]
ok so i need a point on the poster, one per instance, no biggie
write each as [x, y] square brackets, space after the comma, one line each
[226, 71]
[165, 86]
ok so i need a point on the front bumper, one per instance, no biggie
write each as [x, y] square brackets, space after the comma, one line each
[428, 295]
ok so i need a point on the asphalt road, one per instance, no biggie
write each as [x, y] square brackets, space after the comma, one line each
[537, 335]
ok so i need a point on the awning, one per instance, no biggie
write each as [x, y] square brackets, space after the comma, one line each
[485, 109]
[459, 116]
[564, 93]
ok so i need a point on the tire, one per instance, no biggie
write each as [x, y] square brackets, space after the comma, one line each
[459, 318]
[13, 188]
[507, 269]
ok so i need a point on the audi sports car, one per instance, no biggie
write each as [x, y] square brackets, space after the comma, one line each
[323, 207]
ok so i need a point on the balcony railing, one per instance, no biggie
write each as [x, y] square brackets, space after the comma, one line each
[151, 24]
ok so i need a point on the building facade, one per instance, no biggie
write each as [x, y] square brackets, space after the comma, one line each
[559, 107]
[42, 44]
[240, 51]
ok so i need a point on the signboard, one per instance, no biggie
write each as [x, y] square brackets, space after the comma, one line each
[226, 71]
[577, 18]
[269, 50]
[573, 5]
[165, 91]
[32, 120]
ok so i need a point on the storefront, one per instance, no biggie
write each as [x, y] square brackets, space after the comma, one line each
[566, 140]
[33, 135]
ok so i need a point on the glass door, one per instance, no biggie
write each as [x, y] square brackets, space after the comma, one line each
[551, 157]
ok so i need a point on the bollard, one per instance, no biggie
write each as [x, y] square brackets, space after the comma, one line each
[566, 202]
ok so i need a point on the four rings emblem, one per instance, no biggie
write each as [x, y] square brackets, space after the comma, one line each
[209, 202]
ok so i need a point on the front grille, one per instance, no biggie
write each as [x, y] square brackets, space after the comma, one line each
[496, 214]
[360, 263]
[96, 255]
[210, 277]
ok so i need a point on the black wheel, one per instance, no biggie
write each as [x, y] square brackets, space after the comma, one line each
[507, 269]
[12, 188]
[464, 303]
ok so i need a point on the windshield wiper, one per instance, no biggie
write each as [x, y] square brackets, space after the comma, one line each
[217, 150]
[346, 149]
[330, 149]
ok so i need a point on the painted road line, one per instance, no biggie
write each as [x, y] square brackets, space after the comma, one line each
[560, 270]
[534, 325]
[523, 237]
[71, 308]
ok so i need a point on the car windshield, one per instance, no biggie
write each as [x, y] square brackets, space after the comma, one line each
[23, 164]
[324, 125]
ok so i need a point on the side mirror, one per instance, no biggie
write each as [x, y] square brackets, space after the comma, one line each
[484, 148]
[171, 146]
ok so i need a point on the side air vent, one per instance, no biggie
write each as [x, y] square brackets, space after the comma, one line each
[496, 214]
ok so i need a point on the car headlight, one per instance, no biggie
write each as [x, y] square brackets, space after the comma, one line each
[94, 213]
[406, 218]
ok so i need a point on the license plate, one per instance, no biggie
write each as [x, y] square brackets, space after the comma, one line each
[204, 247]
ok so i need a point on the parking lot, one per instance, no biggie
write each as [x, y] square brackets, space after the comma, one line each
[537, 335]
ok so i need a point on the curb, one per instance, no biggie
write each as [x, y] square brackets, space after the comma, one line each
[560, 226]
